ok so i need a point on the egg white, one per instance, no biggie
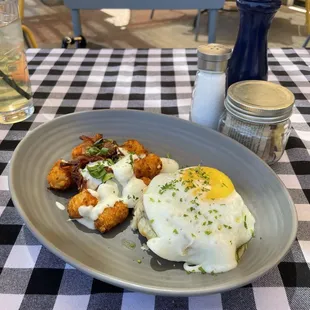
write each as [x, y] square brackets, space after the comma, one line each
[204, 234]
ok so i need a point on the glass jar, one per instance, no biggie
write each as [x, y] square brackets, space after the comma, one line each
[257, 116]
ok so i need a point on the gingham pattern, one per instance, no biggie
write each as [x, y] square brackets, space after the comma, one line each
[65, 81]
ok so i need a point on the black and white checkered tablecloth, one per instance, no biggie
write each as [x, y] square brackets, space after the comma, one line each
[65, 81]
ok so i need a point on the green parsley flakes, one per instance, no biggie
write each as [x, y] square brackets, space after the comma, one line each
[253, 233]
[175, 231]
[208, 232]
[168, 186]
[201, 270]
[245, 223]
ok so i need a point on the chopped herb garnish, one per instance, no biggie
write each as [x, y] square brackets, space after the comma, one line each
[175, 231]
[253, 233]
[139, 261]
[199, 212]
[210, 211]
[151, 221]
[128, 197]
[196, 217]
[173, 194]
[131, 159]
[110, 162]
[215, 211]
[194, 202]
[230, 242]
[210, 222]
[208, 232]
[191, 208]
[193, 235]
[107, 177]
[245, 224]
[202, 270]
[159, 200]
[97, 171]
[204, 223]
[188, 272]
[93, 150]
[213, 273]
[223, 204]
[227, 226]
[215, 217]
[185, 215]
[181, 199]
[168, 155]
[103, 151]
[152, 199]
[168, 186]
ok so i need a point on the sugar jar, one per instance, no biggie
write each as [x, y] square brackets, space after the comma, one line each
[257, 115]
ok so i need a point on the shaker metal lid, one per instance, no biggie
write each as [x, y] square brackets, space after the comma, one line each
[261, 100]
[214, 52]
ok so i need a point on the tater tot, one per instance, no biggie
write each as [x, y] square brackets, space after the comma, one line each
[147, 167]
[81, 149]
[134, 146]
[111, 217]
[83, 198]
[146, 181]
[59, 177]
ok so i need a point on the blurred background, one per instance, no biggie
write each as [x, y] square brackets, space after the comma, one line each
[50, 22]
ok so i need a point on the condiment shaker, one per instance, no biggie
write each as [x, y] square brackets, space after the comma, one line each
[209, 89]
[249, 58]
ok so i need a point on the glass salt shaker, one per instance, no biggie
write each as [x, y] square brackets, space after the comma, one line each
[209, 89]
[257, 116]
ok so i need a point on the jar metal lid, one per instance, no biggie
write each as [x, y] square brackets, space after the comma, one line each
[260, 101]
[213, 57]
[213, 52]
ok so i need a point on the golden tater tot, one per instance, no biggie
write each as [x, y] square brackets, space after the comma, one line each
[134, 146]
[146, 181]
[59, 177]
[111, 217]
[83, 198]
[147, 167]
[81, 149]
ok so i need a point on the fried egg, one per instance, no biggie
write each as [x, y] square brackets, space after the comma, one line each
[198, 218]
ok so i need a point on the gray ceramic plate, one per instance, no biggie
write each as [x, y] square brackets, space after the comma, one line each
[103, 256]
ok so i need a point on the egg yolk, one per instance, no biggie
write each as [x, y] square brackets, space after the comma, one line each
[208, 183]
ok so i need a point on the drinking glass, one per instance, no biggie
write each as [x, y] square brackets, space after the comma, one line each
[16, 102]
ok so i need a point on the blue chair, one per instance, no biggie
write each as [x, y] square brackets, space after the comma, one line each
[211, 5]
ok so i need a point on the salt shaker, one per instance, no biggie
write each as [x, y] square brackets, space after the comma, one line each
[209, 89]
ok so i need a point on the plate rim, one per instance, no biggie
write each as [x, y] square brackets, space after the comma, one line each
[131, 285]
